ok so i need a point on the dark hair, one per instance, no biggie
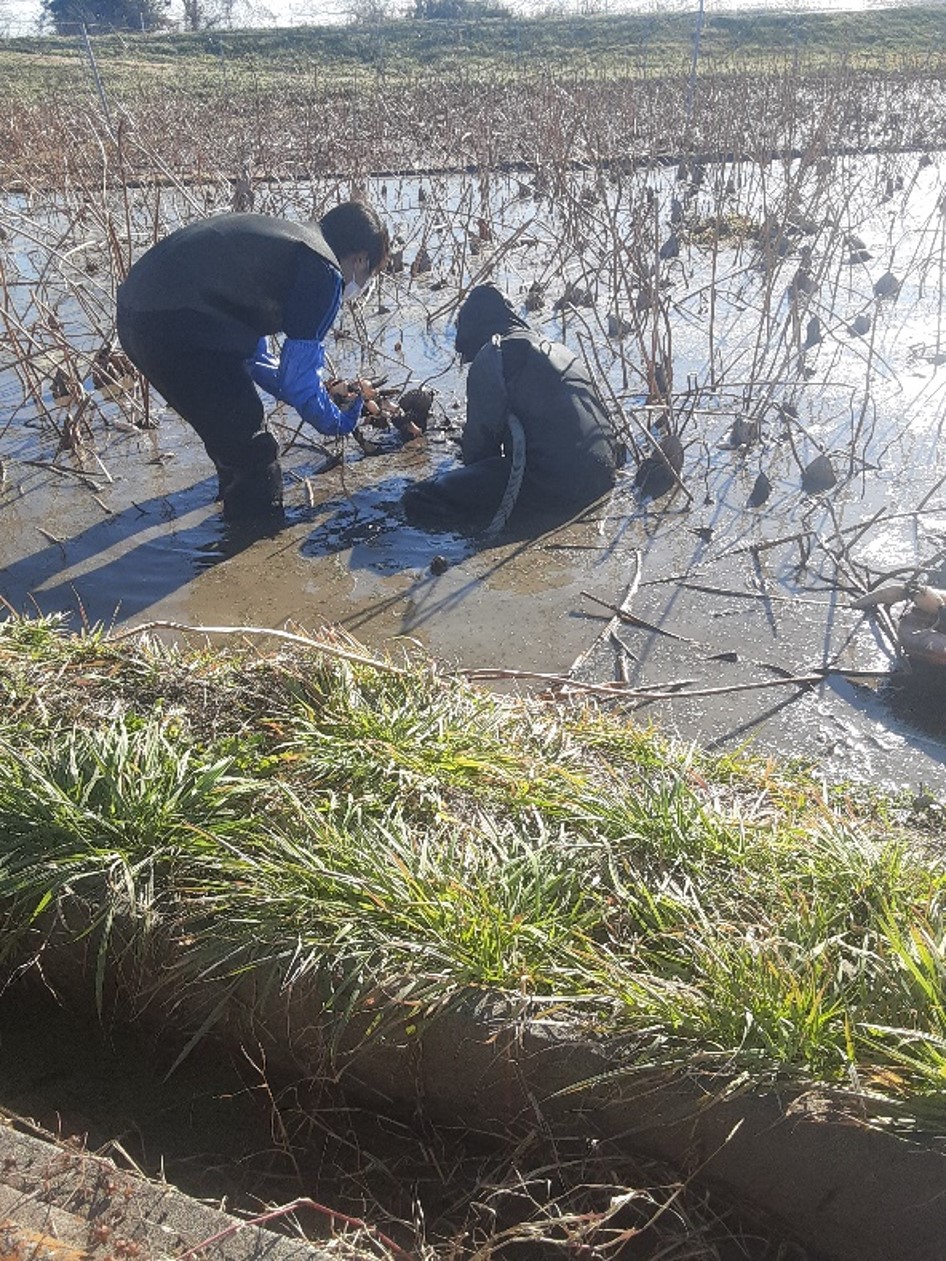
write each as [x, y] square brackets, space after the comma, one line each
[353, 227]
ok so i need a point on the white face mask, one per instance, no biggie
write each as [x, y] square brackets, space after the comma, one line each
[352, 291]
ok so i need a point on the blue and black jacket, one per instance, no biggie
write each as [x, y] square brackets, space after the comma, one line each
[229, 282]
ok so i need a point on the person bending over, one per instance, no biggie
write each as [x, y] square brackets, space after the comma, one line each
[196, 309]
[570, 455]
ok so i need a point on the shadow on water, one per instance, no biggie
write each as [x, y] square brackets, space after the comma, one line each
[894, 714]
[369, 525]
[78, 576]
[119, 567]
[520, 542]
[920, 702]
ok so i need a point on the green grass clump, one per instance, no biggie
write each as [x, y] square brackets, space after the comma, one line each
[400, 836]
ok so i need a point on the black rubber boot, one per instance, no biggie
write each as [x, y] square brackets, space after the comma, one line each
[225, 476]
[254, 487]
[254, 493]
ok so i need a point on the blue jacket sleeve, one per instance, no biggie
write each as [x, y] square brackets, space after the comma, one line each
[297, 380]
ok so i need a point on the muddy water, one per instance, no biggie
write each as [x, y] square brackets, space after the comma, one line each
[138, 537]
[345, 556]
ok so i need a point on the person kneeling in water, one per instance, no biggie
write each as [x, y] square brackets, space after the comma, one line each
[194, 313]
[570, 453]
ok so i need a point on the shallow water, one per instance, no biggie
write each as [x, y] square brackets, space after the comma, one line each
[141, 538]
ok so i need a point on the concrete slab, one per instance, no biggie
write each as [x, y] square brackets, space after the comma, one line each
[58, 1202]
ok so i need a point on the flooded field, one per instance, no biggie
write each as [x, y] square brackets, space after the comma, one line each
[783, 320]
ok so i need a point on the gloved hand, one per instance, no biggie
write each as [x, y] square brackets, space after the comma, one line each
[351, 414]
[296, 378]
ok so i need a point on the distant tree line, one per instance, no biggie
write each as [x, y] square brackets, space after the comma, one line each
[67, 17]
[454, 10]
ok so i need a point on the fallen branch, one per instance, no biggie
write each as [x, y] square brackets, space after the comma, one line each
[260, 1220]
[85, 478]
[623, 611]
[669, 692]
[623, 653]
[330, 650]
[52, 538]
[763, 545]
[633, 620]
[791, 680]
[556, 681]
[706, 589]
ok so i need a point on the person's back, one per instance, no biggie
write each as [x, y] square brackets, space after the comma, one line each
[235, 277]
[195, 314]
[570, 455]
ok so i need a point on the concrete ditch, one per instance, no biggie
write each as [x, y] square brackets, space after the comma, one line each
[61, 1203]
[843, 1171]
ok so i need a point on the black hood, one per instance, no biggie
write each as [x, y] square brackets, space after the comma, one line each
[485, 313]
